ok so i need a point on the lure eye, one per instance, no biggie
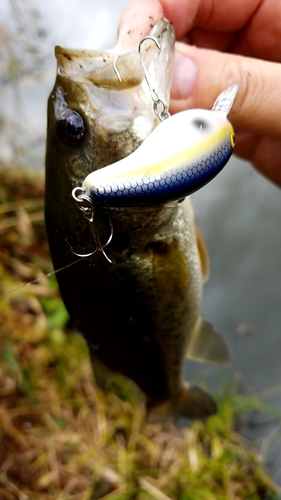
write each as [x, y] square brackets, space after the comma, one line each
[200, 124]
[71, 128]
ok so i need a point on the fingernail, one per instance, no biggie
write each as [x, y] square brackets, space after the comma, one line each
[184, 77]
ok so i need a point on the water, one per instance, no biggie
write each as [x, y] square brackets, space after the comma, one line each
[238, 213]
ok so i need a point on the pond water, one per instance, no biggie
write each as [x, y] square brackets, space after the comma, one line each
[238, 213]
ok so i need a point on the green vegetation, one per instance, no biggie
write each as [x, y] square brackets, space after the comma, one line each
[61, 438]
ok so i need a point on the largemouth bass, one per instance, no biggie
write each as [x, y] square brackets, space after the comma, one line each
[141, 316]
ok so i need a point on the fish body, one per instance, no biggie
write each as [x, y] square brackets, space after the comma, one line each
[141, 315]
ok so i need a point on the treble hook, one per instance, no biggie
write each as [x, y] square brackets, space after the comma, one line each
[115, 68]
[85, 204]
[149, 37]
[162, 115]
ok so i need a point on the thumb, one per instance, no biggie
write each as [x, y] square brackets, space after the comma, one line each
[200, 75]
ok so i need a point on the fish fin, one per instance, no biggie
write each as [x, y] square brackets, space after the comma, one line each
[203, 254]
[191, 402]
[207, 345]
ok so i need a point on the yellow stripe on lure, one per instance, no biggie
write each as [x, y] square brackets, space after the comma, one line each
[185, 152]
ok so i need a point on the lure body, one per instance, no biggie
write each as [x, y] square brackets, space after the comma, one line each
[181, 155]
[142, 315]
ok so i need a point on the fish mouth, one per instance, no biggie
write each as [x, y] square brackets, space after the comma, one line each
[115, 90]
[123, 68]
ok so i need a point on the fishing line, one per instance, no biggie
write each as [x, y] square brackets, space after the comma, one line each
[99, 247]
[37, 280]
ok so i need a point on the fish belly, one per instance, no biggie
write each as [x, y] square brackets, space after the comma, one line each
[137, 315]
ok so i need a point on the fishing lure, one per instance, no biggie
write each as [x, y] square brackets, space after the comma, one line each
[185, 152]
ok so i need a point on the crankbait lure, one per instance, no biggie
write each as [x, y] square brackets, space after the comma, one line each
[185, 152]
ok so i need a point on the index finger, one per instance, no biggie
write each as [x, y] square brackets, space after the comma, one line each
[211, 15]
[138, 19]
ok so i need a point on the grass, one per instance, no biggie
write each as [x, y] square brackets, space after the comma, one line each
[63, 439]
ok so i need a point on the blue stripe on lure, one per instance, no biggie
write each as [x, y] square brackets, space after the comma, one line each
[185, 152]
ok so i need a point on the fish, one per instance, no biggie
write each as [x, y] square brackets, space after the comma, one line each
[141, 315]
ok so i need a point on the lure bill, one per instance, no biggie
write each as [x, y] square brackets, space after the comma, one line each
[185, 152]
[101, 113]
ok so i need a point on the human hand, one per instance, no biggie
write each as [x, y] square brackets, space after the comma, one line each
[222, 43]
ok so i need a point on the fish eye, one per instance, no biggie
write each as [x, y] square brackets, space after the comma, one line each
[200, 124]
[71, 128]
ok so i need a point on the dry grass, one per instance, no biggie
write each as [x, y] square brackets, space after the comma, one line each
[63, 439]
